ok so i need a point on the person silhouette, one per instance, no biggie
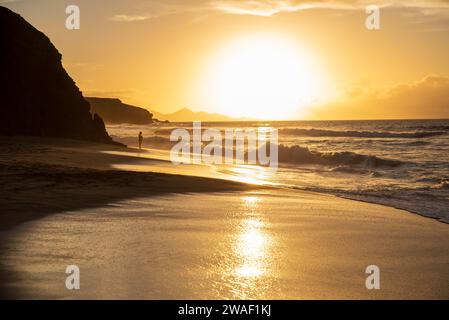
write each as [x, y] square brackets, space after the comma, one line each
[140, 139]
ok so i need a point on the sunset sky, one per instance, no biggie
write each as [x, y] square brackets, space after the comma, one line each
[265, 59]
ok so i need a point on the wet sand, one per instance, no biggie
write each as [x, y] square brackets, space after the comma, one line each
[223, 240]
[44, 176]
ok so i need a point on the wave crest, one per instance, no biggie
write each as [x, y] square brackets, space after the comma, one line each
[360, 134]
[302, 155]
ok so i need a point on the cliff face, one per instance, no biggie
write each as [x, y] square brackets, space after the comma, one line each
[37, 96]
[114, 111]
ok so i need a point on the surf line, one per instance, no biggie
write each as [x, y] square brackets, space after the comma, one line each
[240, 146]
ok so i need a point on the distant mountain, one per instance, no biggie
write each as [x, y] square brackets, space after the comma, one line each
[187, 115]
[115, 111]
[37, 96]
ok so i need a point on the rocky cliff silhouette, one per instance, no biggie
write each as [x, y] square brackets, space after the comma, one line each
[37, 96]
[113, 110]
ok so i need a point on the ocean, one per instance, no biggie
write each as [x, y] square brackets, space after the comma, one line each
[398, 163]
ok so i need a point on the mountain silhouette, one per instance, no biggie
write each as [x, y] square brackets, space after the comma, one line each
[37, 96]
[187, 115]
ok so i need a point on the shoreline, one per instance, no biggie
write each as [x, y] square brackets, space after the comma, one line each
[295, 244]
[56, 159]
[55, 176]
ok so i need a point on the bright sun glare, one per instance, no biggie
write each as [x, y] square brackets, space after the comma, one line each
[265, 77]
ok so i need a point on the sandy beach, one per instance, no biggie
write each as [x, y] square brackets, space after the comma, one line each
[44, 176]
[156, 235]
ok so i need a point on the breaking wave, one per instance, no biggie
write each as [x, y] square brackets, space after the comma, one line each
[359, 134]
[302, 155]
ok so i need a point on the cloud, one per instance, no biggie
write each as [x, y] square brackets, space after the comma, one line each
[429, 82]
[271, 7]
[426, 98]
[155, 9]
[129, 18]
[268, 8]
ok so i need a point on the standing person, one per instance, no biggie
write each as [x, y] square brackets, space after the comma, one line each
[140, 139]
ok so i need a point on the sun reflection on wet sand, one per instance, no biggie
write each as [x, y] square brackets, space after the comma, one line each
[252, 242]
[269, 244]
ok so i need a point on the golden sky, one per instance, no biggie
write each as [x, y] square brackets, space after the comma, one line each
[315, 58]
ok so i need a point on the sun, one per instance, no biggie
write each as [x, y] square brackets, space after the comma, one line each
[264, 77]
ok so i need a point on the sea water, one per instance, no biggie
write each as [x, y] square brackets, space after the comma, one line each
[399, 163]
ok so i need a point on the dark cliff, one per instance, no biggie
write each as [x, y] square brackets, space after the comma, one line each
[37, 96]
[115, 111]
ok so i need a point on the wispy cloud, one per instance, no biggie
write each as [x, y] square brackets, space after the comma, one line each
[271, 7]
[155, 9]
[129, 18]
[268, 8]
